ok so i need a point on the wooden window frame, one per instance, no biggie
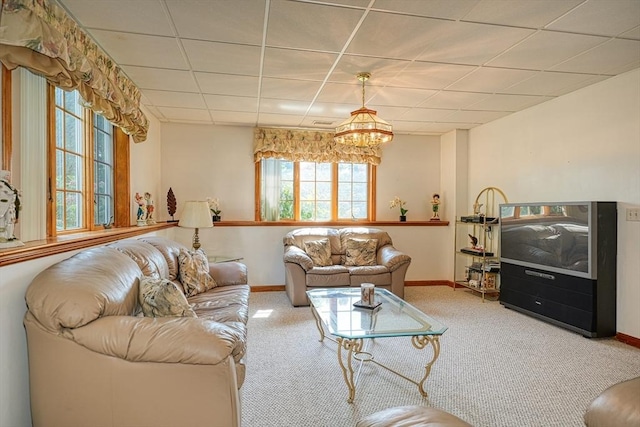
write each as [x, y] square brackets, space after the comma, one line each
[121, 163]
[371, 208]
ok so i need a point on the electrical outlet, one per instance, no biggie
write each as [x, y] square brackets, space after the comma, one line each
[633, 214]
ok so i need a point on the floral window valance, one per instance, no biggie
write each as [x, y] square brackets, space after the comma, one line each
[40, 36]
[309, 146]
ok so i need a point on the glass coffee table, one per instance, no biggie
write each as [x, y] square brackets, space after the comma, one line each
[334, 311]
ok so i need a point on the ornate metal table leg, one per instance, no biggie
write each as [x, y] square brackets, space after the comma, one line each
[318, 322]
[347, 372]
[421, 342]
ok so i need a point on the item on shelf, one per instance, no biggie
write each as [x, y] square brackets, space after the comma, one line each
[171, 204]
[435, 206]
[473, 251]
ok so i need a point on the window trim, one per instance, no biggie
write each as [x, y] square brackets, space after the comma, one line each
[371, 209]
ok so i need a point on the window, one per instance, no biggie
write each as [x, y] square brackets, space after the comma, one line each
[83, 166]
[310, 191]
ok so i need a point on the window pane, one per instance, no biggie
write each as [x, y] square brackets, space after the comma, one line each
[73, 134]
[307, 171]
[286, 170]
[73, 171]
[344, 209]
[73, 210]
[102, 211]
[59, 128]
[344, 191]
[307, 211]
[323, 171]
[360, 173]
[323, 191]
[59, 97]
[359, 210]
[359, 192]
[59, 210]
[323, 212]
[344, 171]
[59, 169]
[71, 102]
[307, 191]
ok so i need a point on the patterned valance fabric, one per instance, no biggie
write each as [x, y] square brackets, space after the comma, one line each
[309, 146]
[40, 36]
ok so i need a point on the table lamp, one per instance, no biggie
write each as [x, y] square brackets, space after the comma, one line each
[195, 214]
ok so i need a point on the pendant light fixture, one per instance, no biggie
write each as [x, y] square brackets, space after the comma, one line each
[364, 128]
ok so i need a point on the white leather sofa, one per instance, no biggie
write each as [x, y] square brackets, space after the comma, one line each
[387, 270]
[94, 360]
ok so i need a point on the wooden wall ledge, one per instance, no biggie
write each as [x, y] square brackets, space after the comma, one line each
[225, 223]
[53, 246]
[42, 248]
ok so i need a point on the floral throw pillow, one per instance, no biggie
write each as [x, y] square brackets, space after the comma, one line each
[361, 252]
[319, 251]
[194, 272]
[162, 298]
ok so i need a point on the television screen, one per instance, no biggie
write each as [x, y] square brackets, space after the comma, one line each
[553, 237]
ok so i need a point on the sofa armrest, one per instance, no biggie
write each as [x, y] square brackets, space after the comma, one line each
[392, 258]
[297, 256]
[228, 273]
[162, 339]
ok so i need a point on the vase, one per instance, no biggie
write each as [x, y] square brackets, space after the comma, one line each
[215, 218]
[403, 218]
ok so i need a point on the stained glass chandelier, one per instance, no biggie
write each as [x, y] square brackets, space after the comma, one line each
[364, 128]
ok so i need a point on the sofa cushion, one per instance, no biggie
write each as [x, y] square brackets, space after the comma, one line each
[194, 272]
[360, 252]
[162, 298]
[149, 259]
[319, 251]
[331, 276]
[169, 249]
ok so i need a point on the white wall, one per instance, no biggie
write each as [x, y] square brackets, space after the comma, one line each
[582, 146]
[200, 161]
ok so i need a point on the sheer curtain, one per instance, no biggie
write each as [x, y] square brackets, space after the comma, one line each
[270, 190]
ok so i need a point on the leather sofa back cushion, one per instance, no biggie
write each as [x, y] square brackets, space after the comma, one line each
[194, 272]
[162, 298]
[80, 289]
[301, 235]
[169, 249]
[149, 259]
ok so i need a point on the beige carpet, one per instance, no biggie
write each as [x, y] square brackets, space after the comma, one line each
[497, 367]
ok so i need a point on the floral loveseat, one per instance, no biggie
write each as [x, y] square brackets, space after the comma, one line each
[328, 257]
[98, 356]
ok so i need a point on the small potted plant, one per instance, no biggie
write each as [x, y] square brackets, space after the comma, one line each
[214, 207]
[398, 203]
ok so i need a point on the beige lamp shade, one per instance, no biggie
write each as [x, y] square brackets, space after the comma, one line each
[196, 214]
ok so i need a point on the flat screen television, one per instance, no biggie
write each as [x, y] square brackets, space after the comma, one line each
[554, 237]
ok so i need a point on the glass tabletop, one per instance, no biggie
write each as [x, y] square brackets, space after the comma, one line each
[393, 318]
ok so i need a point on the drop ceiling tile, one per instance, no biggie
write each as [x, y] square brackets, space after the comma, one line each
[469, 116]
[388, 113]
[632, 34]
[238, 21]
[298, 90]
[162, 98]
[297, 64]
[430, 75]
[332, 109]
[406, 127]
[233, 118]
[381, 69]
[393, 96]
[520, 13]
[452, 100]
[321, 123]
[140, 16]
[225, 84]
[603, 17]
[231, 103]
[142, 50]
[155, 112]
[501, 102]
[446, 9]
[185, 114]
[488, 79]
[550, 83]
[444, 127]
[223, 57]
[310, 26]
[276, 120]
[395, 36]
[282, 106]
[425, 114]
[349, 94]
[470, 43]
[545, 49]
[612, 55]
[160, 79]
